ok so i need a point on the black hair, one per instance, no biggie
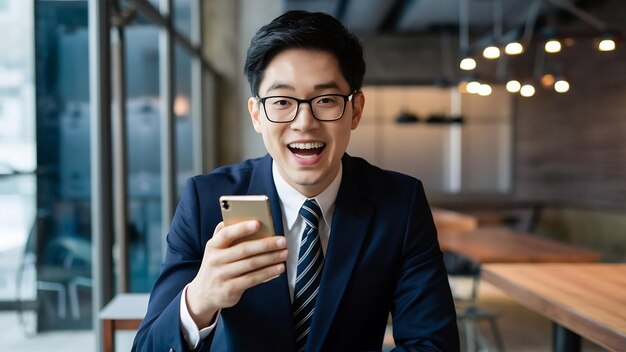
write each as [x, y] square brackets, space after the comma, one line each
[306, 30]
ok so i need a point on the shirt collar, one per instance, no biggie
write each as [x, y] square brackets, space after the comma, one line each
[291, 200]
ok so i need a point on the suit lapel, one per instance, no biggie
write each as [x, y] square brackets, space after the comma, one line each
[276, 303]
[349, 228]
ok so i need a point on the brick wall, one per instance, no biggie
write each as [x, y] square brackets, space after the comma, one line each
[571, 147]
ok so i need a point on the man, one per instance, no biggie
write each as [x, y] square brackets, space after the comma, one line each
[353, 242]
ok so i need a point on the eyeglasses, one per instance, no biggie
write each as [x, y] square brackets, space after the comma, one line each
[326, 107]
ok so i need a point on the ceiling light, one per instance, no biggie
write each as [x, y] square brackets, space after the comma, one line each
[513, 86]
[569, 41]
[491, 52]
[462, 87]
[547, 80]
[553, 46]
[484, 90]
[561, 86]
[468, 64]
[606, 44]
[527, 90]
[514, 48]
[473, 87]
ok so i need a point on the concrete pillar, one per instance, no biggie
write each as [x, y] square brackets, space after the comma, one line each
[229, 25]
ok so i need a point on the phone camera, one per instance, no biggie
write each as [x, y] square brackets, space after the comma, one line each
[225, 205]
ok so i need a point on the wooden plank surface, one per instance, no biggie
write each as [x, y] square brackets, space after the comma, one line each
[501, 245]
[447, 220]
[589, 299]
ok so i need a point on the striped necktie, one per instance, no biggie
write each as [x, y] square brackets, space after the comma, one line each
[309, 273]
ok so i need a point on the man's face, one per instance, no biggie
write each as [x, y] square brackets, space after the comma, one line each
[307, 152]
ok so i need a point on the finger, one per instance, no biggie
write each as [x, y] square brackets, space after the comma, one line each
[219, 227]
[250, 264]
[215, 238]
[251, 248]
[256, 277]
[223, 237]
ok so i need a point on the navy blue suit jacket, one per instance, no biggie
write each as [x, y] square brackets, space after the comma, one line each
[382, 256]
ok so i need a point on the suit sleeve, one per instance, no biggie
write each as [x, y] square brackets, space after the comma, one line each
[424, 317]
[161, 328]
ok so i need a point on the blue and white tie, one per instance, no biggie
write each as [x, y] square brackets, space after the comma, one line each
[309, 272]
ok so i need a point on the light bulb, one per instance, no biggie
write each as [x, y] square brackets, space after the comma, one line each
[552, 46]
[491, 52]
[606, 45]
[514, 48]
[462, 87]
[561, 86]
[473, 87]
[527, 90]
[484, 90]
[547, 80]
[513, 86]
[468, 64]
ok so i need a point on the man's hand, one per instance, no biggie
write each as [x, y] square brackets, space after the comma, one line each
[228, 270]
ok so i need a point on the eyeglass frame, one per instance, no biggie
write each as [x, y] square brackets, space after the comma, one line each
[346, 99]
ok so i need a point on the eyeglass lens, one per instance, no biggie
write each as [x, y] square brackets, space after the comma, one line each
[283, 109]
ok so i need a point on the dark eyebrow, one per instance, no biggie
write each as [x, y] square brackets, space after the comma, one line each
[317, 87]
[279, 85]
[326, 85]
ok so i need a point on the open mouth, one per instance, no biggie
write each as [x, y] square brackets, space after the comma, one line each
[307, 150]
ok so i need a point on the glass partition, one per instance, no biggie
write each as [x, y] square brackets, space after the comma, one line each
[183, 102]
[63, 225]
[182, 16]
[143, 135]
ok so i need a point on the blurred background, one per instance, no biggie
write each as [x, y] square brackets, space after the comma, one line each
[513, 111]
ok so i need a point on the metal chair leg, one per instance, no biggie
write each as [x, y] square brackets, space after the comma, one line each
[470, 335]
[497, 337]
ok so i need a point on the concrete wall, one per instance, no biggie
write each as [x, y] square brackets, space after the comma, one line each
[228, 27]
[254, 14]
[407, 59]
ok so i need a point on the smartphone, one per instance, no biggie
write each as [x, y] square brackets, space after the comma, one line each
[249, 207]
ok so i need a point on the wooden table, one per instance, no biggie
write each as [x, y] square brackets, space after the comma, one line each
[447, 220]
[581, 299]
[124, 312]
[501, 245]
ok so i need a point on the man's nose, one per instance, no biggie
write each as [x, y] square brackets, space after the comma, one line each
[304, 118]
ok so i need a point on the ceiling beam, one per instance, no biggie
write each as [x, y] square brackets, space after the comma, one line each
[581, 14]
[394, 14]
[342, 8]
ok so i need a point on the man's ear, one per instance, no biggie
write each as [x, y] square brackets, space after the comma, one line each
[358, 102]
[255, 113]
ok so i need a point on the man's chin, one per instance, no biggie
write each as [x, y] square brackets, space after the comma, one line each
[306, 181]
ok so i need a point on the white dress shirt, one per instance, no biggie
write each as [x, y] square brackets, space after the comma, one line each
[290, 203]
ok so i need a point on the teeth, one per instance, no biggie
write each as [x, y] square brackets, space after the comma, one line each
[306, 145]
[307, 156]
